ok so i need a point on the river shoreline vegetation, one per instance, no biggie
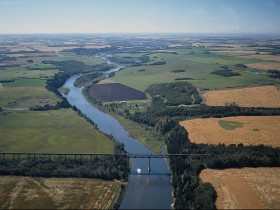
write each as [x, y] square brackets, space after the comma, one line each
[172, 71]
[168, 106]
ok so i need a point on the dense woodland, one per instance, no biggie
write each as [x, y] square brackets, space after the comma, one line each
[83, 80]
[226, 73]
[131, 61]
[175, 94]
[59, 104]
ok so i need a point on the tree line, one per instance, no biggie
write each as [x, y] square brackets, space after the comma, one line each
[107, 167]
[189, 191]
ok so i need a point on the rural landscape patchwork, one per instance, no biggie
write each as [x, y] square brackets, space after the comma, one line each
[139, 120]
[225, 108]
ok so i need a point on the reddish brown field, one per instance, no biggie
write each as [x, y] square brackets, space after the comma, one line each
[249, 130]
[246, 188]
[115, 92]
[265, 96]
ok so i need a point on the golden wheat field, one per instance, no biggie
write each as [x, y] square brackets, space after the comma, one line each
[249, 130]
[263, 57]
[19, 192]
[246, 188]
[264, 96]
[265, 66]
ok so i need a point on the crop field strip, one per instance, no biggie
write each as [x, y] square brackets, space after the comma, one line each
[19, 192]
[263, 96]
[247, 130]
[245, 188]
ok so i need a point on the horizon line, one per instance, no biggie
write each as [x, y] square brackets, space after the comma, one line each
[142, 33]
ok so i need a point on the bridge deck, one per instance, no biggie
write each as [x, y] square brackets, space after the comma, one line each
[129, 155]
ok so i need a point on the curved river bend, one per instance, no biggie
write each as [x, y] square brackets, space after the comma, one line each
[148, 190]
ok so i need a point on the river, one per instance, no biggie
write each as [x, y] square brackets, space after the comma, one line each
[147, 190]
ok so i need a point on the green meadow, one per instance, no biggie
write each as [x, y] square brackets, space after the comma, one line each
[57, 131]
[60, 131]
[198, 67]
[230, 125]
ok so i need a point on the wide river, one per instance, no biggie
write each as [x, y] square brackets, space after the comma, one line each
[147, 190]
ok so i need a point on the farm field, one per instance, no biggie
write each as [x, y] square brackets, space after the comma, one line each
[18, 192]
[247, 130]
[245, 188]
[199, 67]
[57, 131]
[263, 57]
[115, 92]
[265, 96]
[26, 97]
[265, 66]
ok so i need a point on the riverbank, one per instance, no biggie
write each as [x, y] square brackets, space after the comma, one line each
[147, 135]
[149, 190]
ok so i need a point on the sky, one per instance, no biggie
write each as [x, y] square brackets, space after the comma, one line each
[140, 16]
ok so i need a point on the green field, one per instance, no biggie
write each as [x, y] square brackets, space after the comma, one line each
[50, 131]
[27, 90]
[26, 97]
[230, 125]
[143, 133]
[195, 67]
[88, 60]
[22, 72]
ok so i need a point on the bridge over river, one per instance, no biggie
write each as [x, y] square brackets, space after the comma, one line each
[63, 156]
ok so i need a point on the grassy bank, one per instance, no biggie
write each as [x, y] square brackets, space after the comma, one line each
[143, 133]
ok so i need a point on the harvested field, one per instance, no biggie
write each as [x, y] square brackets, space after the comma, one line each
[18, 192]
[234, 52]
[106, 81]
[115, 92]
[264, 66]
[246, 188]
[265, 96]
[249, 130]
[263, 57]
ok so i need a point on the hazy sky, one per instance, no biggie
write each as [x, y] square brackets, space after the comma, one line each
[139, 16]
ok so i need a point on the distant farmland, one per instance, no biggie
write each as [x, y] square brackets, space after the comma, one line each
[115, 92]
[265, 96]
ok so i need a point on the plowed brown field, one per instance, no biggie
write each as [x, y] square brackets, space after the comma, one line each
[246, 188]
[253, 130]
[115, 92]
[265, 96]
